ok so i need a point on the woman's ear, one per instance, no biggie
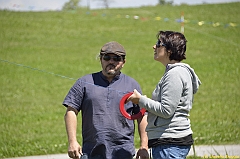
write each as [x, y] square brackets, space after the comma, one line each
[169, 52]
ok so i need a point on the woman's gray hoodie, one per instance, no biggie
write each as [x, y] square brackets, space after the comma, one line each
[172, 99]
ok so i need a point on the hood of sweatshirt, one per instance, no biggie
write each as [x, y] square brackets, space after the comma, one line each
[195, 80]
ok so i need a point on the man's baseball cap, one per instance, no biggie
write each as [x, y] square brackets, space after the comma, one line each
[113, 47]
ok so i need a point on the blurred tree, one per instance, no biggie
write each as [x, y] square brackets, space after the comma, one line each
[71, 5]
[106, 3]
[165, 2]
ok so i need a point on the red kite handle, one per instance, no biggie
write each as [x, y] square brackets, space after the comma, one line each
[123, 111]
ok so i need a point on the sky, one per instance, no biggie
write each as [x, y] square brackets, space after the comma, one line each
[45, 5]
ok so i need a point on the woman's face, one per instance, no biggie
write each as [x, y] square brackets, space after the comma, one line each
[160, 53]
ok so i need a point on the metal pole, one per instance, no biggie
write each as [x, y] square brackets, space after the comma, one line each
[182, 23]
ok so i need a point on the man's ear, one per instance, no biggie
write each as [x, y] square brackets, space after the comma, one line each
[124, 62]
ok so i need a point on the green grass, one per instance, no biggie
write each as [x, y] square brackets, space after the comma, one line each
[67, 43]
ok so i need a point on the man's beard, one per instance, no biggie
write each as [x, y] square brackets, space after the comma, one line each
[112, 70]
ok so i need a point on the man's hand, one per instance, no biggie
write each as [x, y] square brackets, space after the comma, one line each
[74, 150]
[142, 154]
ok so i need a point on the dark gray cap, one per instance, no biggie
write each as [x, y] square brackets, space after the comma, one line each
[113, 47]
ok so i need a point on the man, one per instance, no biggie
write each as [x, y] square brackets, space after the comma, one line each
[106, 133]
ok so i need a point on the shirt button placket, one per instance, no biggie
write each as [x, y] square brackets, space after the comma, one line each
[108, 97]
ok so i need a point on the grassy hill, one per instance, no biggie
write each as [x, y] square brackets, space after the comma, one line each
[42, 53]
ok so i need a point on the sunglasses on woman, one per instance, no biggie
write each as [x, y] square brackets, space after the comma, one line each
[115, 58]
[159, 43]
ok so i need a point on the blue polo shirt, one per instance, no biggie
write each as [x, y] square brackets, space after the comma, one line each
[105, 131]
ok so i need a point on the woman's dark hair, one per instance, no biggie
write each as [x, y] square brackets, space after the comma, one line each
[175, 44]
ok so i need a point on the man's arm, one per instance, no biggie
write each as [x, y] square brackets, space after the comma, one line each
[143, 150]
[74, 148]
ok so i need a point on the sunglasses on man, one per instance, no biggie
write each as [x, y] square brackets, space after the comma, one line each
[115, 58]
[159, 43]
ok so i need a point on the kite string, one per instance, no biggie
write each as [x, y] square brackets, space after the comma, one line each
[51, 73]
[36, 69]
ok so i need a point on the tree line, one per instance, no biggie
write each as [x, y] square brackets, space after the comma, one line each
[74, 4]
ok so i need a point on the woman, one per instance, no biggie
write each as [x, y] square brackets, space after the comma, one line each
[169, 130]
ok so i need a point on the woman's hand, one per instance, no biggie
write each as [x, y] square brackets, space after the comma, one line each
[134, 97]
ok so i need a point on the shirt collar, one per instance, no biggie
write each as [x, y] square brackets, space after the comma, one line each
[114, 79]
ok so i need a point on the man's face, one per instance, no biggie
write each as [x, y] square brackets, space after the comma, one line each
[111, 64]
